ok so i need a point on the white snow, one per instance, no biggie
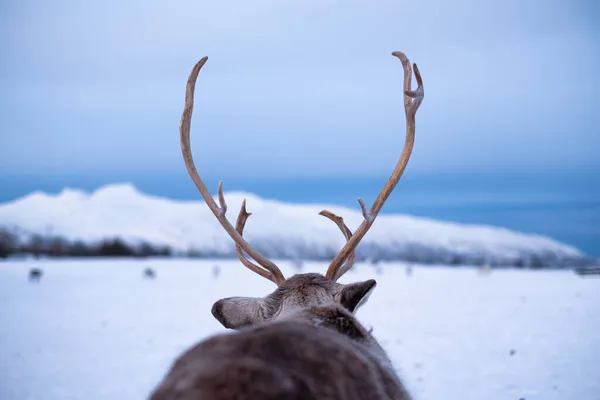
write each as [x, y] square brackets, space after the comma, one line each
[275, 228]
[99, 330]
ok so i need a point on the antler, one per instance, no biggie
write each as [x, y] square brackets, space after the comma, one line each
[412, 101]
[339, 221]
[239, 227]
[219, 212]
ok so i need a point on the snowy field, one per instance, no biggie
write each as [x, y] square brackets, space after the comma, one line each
[99, 330]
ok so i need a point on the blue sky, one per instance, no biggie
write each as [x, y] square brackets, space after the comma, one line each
[300, 88]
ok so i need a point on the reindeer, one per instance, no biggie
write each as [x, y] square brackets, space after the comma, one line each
[484, 269]
[216, 271]
[302, 341]
[376, 264]
[35, 274]
[297, 264]
[149, 273]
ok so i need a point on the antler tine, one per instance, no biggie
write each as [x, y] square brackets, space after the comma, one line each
[339, 221]
[239, 227]
[412, 101]
[219, 212]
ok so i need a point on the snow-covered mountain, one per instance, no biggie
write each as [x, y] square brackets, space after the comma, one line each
[278, 230]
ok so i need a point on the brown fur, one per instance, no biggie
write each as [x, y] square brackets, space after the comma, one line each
[300, 342]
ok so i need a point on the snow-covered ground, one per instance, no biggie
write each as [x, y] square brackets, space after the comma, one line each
[276, 229]
[99, 330]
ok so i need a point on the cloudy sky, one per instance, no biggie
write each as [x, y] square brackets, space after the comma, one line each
[298, 87]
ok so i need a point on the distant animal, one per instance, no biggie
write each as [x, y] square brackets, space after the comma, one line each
[378, 269]
[484, 269]
[591, 270]
[297, 265]
[408, 270]
[149, 273]
[216, 271]
[35, 274]
[303, 340]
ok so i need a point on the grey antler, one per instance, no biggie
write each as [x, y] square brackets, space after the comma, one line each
[412, 101]
[219, 212]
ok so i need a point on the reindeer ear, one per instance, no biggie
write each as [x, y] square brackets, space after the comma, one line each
[237, 312]
[354, 295]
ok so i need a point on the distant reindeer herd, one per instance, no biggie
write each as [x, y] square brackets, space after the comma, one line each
[35, 274]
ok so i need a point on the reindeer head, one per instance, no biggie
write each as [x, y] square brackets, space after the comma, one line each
[297, 295]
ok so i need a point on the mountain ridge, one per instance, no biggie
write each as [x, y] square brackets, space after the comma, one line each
[277, 229]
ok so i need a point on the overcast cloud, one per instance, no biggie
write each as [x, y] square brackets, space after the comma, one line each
[298, 87]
